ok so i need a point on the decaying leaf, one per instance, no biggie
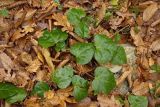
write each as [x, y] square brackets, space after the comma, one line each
[140, 88]
[136, 37]
[6, 61]
[48, 58]
[61, 20]
[105, 101]
[155, 46]
[150, 11]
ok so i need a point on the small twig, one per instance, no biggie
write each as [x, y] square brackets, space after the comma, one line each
[61, 64]
[76, 37]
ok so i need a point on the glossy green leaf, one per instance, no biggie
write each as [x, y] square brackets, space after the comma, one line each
[82, 29]
[83, 52]
[138, 101]
[11, 93]
[104, 81]
[80, 87]
[60, 46]
[74, 15]
[119, 57]
[63, 76]
[105, 48]
[155, 67]
[51, 38]
[40, 88]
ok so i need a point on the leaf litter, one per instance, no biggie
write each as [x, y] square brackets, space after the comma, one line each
[79, 53]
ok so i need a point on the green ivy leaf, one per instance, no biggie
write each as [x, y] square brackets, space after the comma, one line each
[82, 29]
[83, 52]
[80, 87]
[51, 38]
[60, 46]
[119, 57]
[104, 81]
[108, 50]
[74, 15]
[76, 18]
[155, 67]
[138, 101]
[105, 48]
[11, 93]
[63, 76]
[4, 12]
[40, 88]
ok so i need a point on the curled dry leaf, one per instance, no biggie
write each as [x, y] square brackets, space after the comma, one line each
[17, 35]
[33, 66]
[155, 46]
[101, 12]
[48, 58]
[140, 88]
[61, 20]
[6, 61]
[138, 41]
[105, 101]
[150, 11]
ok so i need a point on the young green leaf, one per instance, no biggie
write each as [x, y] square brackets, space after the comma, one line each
[4, 12]
[119, 57]
[138, 101]
[60, 46]
[155, 67]
[82, 29]
[108, 15]
[11, 93]
[104, 81]
[117, 38]
[51, 38]
[80, 87]
[83, 52]
[63, 76]
[105, 48]
[40, 88]
[74, 15]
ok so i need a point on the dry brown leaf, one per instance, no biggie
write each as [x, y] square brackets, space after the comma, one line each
[6, 61]
[61, 20]
[83, 69]
[105, 101]
[59, 97]
[25, 57]
[4, 25]
[140, 88]
[2, 74]
[136, 37]
[150, 11]
[155, 46]
[33, 66]
[101, 12]
[32, 102]
[17, 35]
[48, 58]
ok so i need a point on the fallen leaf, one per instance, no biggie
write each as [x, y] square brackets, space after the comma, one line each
[6, 61]
[140, 88]
[136, 37]
[105, 101]
[155, 46]
[150, 11]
